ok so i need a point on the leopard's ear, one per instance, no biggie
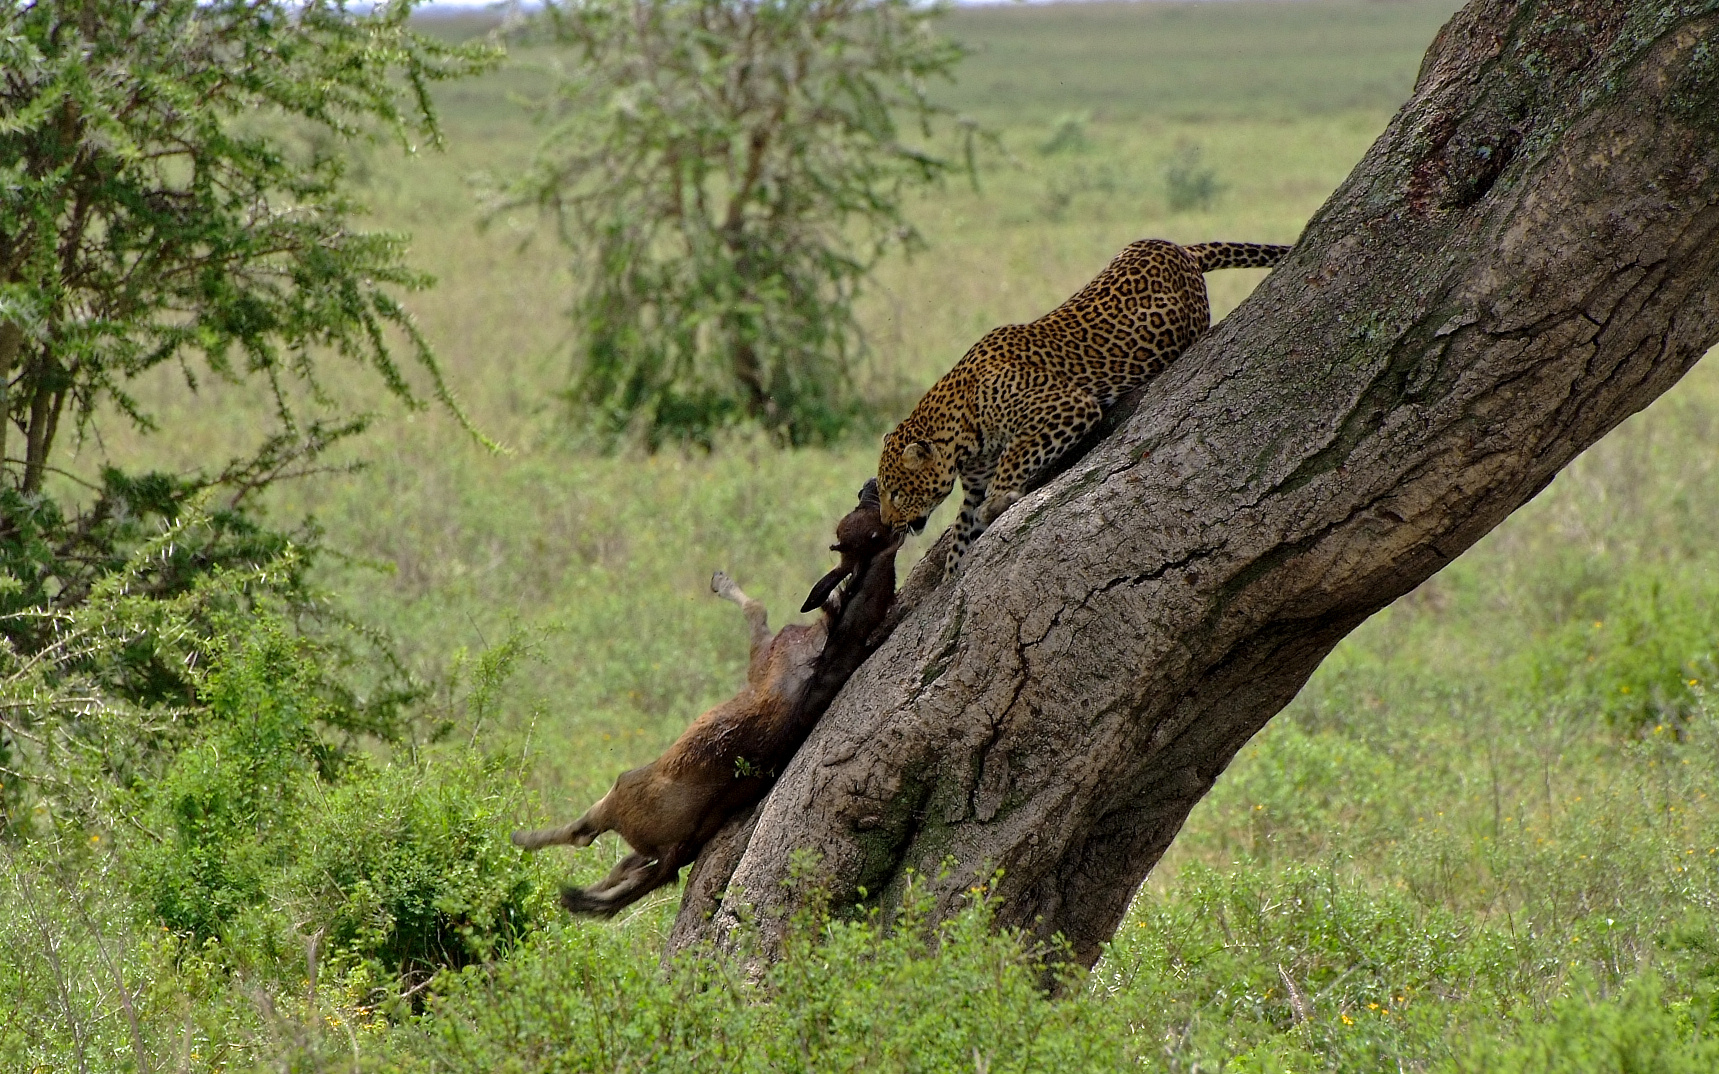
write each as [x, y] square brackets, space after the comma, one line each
[915, 455]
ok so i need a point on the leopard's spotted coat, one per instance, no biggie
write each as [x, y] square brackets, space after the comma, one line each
[1026, 392]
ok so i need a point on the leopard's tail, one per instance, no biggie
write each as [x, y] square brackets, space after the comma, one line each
[1222, 255]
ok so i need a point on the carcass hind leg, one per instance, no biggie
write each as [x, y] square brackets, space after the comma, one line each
[631, 880]
[630, 864]
[580, 833]
[757, 620]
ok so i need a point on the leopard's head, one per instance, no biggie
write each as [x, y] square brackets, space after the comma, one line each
[914, 475]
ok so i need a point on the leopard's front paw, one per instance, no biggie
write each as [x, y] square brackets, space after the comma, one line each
[995, 504]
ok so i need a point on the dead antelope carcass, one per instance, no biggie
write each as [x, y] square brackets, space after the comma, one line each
[726, 761]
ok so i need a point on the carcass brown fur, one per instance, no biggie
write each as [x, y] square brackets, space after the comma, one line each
[727, 760]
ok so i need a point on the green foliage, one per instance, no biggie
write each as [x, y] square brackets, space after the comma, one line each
[1299, 787]
[397, 870]
[1635, 1033]
[908, 994]
[55, 560]
[1643, 655]
[252, 796]
[579, 998]
[124, 683]
[727, 175]
[407, 869]
[226, 811]
[171, 195]
[90, 989]
[896, 996]
[1188, 182]
[1256, 966]
[1068, 135]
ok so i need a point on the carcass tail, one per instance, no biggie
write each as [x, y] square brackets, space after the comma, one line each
[1221, 255]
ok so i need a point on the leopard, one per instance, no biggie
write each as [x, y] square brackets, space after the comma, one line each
[1026, 393]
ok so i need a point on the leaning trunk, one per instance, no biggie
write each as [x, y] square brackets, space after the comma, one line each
[1528, 255]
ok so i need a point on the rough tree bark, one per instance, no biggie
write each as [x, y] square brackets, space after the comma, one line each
[1528, 255]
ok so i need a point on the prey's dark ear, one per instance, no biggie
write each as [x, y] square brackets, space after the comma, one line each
[826, 585]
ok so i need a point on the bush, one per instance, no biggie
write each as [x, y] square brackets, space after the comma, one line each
[90, 988]
[1068, 135]
[1635, 1033]
[879, 995]
[128, 679]
[1302, 791]
[1188, 183]
[227, 809]
[728, 175]
[398, 870]
[407, 869]
[1635, 651]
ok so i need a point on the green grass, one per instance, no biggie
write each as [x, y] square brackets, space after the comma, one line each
[1158, 62]
[1493, 807]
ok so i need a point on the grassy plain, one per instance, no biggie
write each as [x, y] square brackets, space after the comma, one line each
[1490, 812]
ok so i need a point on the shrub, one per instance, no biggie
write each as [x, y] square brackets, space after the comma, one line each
[727, 175]
[906, 995]
[169, 198]
[90, 988]
[129, 678]
[407, 868]
[227, 809]
[871, 994]
[1188, 183]
[1636, 652]
[1635, 1033]
[1068, 135]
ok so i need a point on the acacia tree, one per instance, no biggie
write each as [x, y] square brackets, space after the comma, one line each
[1526, 256]
[726, 173]
[172, 190]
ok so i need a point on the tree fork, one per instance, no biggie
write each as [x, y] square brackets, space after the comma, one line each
[1526, 256]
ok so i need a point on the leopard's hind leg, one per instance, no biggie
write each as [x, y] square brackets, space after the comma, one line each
[1056, 417]
[1051, 418]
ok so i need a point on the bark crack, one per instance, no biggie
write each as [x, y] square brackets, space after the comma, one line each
[1151, 575]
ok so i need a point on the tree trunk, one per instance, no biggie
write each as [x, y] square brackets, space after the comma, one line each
[11, 342]
[1528, 255]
